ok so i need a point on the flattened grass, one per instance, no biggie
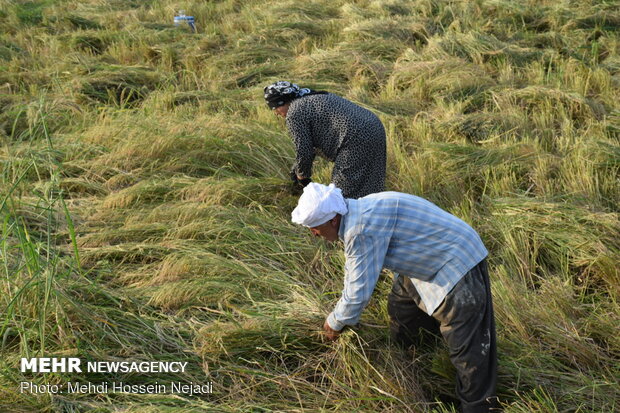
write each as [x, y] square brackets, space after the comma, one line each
[146, 202]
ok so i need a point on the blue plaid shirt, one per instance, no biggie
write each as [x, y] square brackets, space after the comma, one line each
[408, 235]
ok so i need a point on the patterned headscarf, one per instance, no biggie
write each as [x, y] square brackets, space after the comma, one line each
[282, 92]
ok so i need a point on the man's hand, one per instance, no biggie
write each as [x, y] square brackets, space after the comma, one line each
[330, 334]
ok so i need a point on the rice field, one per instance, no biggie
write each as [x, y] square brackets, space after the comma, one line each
[145, 200]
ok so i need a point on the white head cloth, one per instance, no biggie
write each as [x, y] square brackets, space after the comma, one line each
[318, 204]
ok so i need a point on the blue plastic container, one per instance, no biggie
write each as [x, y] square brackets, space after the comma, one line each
[182, 19]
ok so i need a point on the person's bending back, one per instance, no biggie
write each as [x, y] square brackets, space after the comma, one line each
[328, 125]
[442, 283]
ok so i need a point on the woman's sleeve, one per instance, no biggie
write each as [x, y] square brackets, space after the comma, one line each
[304, 148]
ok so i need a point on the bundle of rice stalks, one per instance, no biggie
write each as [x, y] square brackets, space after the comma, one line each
[403, 31]
[284, 31]
[249, 63]
[331, 65]
[89, 42]
[146, 192]
[547, 40]
[111, 235]
[26, 13]
[550, 104]
[383, 50]
[613, 124]
[167, 56]
[71, 22]
[349, 375]
[602, 19]
[249, 51]
[537, 239]
[260, 337]
[13, 115]
[83, 23]
[258, 75]
[383, 39]
[484, 171]
[175, 149]
[392, 7]
[296, 11]
[194, 278]
[569, 348]
[128, 253]
[478, 48]
[199, 293]
[168, 100]
[368, 75]
[521, 17]
[354, 13]
[279, 361]
[429, 80]
[267, 151]
[20, 76]
[300, 36]
[222, 233]
[77, 187]
[203, 106]
[266, 238]
[9, 49]
[120, 85]
[563, 326]
[483, 126]
[24, 119]
[238, 191]
[393, 106]
[195, 97]
[192, 264]
[612, 65]
[132, 156]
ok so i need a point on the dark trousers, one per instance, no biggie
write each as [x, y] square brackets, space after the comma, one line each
[465, 320]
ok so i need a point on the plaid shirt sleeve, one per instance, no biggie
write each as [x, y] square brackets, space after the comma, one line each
[364, 261]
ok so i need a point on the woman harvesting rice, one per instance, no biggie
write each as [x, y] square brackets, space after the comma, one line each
[326, 124]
